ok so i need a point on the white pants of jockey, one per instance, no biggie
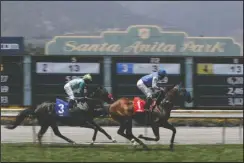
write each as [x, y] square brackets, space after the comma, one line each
[148, 92]
[69, 91]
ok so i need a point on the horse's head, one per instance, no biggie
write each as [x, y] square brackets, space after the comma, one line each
[181, 91]
[102, 93]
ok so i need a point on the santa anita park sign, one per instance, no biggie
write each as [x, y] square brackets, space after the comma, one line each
[143, 40]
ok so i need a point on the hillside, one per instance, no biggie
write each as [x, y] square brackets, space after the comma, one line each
[42, 20]
[209, 18]
[46, 19]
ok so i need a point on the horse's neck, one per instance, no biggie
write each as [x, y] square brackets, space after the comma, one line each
[171, 95]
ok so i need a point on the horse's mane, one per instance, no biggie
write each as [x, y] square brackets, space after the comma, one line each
[171, 92]
[44, 106]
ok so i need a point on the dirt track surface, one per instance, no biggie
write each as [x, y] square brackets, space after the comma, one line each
[184, 135]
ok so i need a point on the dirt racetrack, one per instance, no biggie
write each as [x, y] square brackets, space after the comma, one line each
[184, 135]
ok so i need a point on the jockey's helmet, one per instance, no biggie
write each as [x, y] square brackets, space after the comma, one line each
[87, 78]
[162, 73]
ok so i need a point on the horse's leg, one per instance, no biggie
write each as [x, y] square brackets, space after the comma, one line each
[130, 135]
[121, 130]
[95, 132]
[102, 131]
[94, 136]
[41, 132]
[57, 133]
[155, 129]
[167, 125]
[127, 125]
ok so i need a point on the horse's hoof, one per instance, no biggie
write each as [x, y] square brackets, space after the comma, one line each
[10, 127]
[134, 143]
[114, 141]
[171, 147]
[92, 143]
[146, 148]
[140, 136]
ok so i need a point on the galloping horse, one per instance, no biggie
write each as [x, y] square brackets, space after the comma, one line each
[46, 114]
[124, 111]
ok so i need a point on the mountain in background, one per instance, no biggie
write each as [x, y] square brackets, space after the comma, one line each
[43, 20]
[34, 19]
[207, 18]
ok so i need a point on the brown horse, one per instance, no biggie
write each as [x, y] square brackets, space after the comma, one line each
[125, 110]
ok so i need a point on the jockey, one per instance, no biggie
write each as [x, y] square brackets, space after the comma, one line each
[148, 81]
[76, 85]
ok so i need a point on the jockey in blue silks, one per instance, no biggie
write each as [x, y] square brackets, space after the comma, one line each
[150, 81]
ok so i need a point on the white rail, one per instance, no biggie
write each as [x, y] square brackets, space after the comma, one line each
[174, 113]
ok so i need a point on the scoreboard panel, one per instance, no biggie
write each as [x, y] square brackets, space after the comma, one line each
[126, 71]
[51, 73]
[218, 82]
[11, 69]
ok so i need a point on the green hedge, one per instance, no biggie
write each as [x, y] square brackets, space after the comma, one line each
[204, 122]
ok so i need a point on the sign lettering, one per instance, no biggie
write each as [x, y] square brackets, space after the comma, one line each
[143, 40]
[140, 47]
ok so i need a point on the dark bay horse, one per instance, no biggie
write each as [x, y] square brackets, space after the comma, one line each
[123, 111]
[46, 116]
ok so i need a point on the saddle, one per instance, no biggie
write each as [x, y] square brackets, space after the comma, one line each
[79, 106]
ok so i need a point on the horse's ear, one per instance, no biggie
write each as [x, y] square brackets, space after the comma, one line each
[100, 86]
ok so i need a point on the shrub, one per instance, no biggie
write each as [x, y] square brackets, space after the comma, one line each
[196, 122]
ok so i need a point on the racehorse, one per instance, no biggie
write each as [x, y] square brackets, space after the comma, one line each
[125, 110]
[47, 114]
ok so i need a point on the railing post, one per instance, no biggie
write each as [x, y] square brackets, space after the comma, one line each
[223, 132]
[240, 132]
[52, 136]
[34, 133]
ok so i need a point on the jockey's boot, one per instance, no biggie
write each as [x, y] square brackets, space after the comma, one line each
[71, 105]
[148, 104]
[160, 98]
[147, 109]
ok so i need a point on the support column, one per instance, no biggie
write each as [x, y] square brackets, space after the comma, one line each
[27, 81]
[189, 78]
[107, 73]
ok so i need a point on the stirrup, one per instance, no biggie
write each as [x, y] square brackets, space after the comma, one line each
[147, 110]
[72, 109]
[153, 107]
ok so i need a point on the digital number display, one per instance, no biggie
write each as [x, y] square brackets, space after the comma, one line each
[12, 46]
[146, 68]
[67, 68]
[219, 69]
[218, 82]
[126, 71]
[11, 81]
[51, 73]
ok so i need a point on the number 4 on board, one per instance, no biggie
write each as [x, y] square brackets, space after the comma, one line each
[204, 68]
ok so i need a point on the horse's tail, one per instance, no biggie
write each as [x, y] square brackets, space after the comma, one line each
[20, 117]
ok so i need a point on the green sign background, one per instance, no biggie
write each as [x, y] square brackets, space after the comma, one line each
[143, 40]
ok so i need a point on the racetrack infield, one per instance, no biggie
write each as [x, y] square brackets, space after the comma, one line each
[158, 153]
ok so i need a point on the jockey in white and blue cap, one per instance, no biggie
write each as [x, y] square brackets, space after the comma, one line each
[150, 81]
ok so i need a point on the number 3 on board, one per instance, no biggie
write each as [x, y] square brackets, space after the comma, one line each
[203, 68]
